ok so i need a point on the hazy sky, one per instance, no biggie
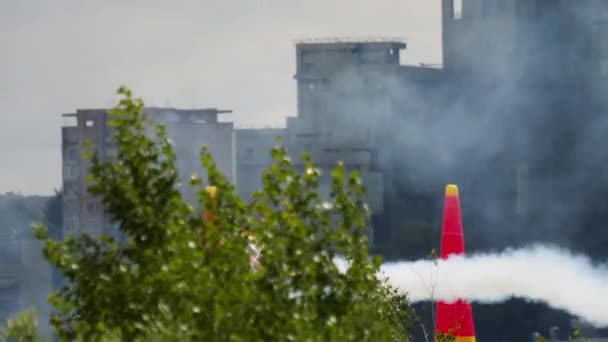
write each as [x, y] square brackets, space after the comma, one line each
[60, 55]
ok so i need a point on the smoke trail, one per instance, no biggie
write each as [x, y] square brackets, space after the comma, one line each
[547, 274]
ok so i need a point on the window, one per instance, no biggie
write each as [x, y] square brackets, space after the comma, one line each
[457, 9]
[73, 170]
[70, 171]
[90, 208]
[72, 153]
[89, 123]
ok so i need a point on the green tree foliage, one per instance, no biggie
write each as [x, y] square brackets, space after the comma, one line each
[445, 337]
[577, 336]
[180, 277]
[22, 328]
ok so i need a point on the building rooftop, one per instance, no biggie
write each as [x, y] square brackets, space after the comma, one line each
[351, 40]
[348, 43]
[168, 114]
[101, 111]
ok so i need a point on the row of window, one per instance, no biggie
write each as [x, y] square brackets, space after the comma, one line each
[71, 171]
[362, 55]
[93, 208]
[518, 7]
[71, 207]
[72, 226]
[71, 153]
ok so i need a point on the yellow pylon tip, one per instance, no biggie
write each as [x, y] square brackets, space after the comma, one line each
[451, 190]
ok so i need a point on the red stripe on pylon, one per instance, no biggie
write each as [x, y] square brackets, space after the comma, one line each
[454, 318]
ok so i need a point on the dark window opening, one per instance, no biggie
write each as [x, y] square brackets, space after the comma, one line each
[90, 208]
[72, 153]
[72, 171]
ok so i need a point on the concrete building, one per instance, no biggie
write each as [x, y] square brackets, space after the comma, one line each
[189, 131]
[331, 124]
[253, 148]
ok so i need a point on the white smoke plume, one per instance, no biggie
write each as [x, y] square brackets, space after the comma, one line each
[551, 275]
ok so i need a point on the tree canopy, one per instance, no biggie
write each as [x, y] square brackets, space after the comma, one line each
[174, 275]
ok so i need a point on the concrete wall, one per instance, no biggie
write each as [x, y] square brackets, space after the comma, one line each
[189, 138]
[339, 86]
[253, 155]
[346, 103]
[71, 154]
[84, 212]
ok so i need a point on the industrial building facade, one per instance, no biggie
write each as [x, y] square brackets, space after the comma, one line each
[189, 130]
